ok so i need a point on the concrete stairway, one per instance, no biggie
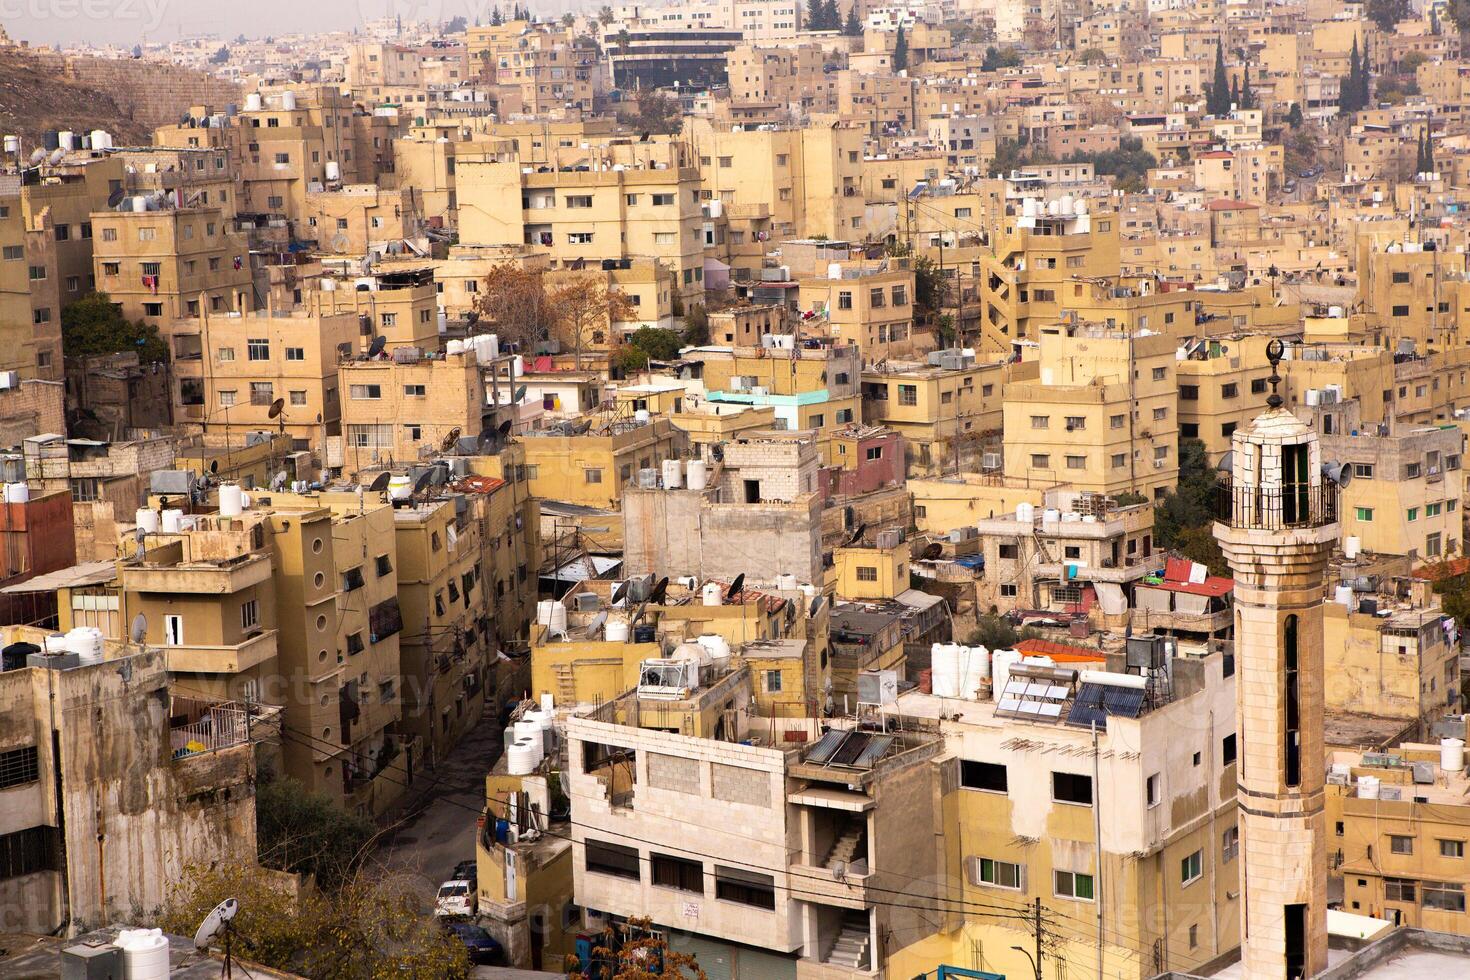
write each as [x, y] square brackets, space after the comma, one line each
[851, 949]
[846, 849]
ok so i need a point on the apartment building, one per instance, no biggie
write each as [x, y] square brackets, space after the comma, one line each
[1407, 482]
[786, 74]
[869, 306]
[948, 408]
[106, 482]
[364, 219]
[785, 183]
[538, 69]
[594, 460]
[1412, 289]
[1102, 415]
[761, 519]
[807, 384]
[399, 304]
[113, 785]
[797, 883]
[603, 204]
[401, 408]
[291, 602]
[1391, 652]
[1048, 557]
[1037, 808]
[448, 640]
[164, 263]
[1399, 822]
[1039, 254]
[1222, 386]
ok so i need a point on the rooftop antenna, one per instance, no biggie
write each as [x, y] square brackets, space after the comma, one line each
[219, 922]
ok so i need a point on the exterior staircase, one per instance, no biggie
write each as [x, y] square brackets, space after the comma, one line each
[851, 949]
[847, 848]
[566, 684]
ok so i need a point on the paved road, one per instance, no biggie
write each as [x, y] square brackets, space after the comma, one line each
[439, 832]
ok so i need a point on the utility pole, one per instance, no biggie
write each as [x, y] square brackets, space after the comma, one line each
[1036, 920]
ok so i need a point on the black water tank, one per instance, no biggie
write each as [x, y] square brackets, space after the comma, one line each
[14, 656]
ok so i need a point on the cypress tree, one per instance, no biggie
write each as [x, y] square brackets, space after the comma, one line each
[1218, 104]
[1419, 155]
[814, 15]
[1429, 166]
[901, 50]
[852, 28]
[831, 17]
[1348, 99]
[1247, 97]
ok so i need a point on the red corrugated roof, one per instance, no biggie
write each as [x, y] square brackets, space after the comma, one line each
[1445, 569]
[1176, 579]
[1060, 652]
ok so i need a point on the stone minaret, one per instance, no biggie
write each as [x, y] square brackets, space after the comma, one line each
[1277, 525]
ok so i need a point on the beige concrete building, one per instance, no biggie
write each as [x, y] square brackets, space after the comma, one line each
[1102, 415]
[231, 369]
[401, 408]
[113, 785]
[948, 409]
[171, 263]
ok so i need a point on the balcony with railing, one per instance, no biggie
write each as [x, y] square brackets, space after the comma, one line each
[1300, 505]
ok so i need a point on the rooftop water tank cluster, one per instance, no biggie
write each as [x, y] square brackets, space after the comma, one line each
[959, 671]
[529, 740]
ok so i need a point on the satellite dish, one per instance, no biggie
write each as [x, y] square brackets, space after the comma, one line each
[505, 427]
[115, 198]
[857, 535]
[380, 482]
[214, 922]
[439, 475]
[520, 393]
[933, 551]
[620, 593]
[139, 629]
[275, 409]
[597, 623]
[37, 155]
[278, 482]
[57, 155]
[214, 466]
[659, 590]
[376, 347]
[736, 588]
[450, 438]
[1227, 461]
[815, 606]
[422, 483]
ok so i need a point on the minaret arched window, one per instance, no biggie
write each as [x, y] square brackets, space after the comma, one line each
[1292, 734]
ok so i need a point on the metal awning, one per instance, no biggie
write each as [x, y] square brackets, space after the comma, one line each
[76, 576]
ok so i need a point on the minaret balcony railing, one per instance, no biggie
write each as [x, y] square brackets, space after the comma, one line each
[1276, 508]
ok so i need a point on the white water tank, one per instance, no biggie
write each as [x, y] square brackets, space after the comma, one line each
[1367, 787]
[17, 493]
[642, 416]
[718, 649]
[231, 500]
[617, 631]
[712, 594]
[1051, 517]
[1001, 662]
[288, 100]
[786, 582]
[557, 622]
[86, 642]
[1343, 595]
[697, 474]
[1026, 512]
[172, 518]
[333, 170]
[252, 102]
[522, 756]
[12, 145]
[454, 347]
[543, 612]
[400, 488]
[673, 474]
[1351, 545]
[147, 520]
[1452, 754]
[144, 954]
[101, 139]
[973, 670]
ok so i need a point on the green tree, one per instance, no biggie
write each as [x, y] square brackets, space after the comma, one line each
[1093, 56]
[831, 16]
[1009, 155]
[1247, 97]
[815, 14]
[998, 58]
[994, 633]
[95, 325]
[305, 832]
[605, 16]
[495, 19]
[1217, 94]
[1351, 89]
[1129, 164]
[696, 326]
[1294, 116]
[1387, 13]
[1182, 520]
[455, 25]
[221, 56]
[658, 343]
[656, 111]
[901, 50]
[852, 27]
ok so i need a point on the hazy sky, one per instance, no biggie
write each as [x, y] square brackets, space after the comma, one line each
[131, 21]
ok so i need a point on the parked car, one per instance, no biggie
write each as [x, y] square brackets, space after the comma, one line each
[456, 898]
[466, 871]
[482, 947]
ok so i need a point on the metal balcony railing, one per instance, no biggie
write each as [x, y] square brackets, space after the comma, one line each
[1276, 508]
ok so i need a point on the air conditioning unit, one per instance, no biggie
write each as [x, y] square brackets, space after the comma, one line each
[990, 461]
[889, 539]
[1158, 464]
